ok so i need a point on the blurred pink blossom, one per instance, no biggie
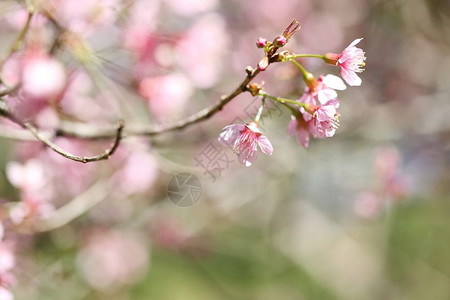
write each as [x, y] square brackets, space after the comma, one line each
[18, 17]
[367, 205]
[201, 48]
[33, 183]
[70, 177]
[7, 259]
[5, 294]
[139, 172]
[245, 139]
[29, 177]
[82, 16]
[112, 258]
[7, 263]
[192, 7]
[43, 77]
[166, 95]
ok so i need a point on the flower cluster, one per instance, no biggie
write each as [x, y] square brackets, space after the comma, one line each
[314, 114]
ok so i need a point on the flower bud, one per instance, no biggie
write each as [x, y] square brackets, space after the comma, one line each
[311, 81]
[279, 41]
[261, 42]
[263, 63]
[254, 88]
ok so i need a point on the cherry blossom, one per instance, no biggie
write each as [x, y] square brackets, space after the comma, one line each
[322, 90]
[112, 258]
[350, 61]
[299, 127]
[244, 139]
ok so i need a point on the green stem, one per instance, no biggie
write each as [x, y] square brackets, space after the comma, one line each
[260, 110]
[304, 72]
[307, 55]
[283, 100]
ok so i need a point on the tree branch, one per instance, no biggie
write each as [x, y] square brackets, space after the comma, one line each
[46, 141]
[84, 131]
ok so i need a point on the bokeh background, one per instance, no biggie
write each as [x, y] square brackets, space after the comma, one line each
[362, 215]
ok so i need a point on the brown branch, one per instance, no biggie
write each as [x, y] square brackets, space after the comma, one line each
[46, 141]
[15, 46]
[88, 132]
[83, 159]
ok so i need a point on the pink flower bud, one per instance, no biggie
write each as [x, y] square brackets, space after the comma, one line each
[261, 42]
[279, 41]
[263, 63]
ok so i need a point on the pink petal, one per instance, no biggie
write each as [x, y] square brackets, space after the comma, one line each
[303, 137]
[247, 157]
[5, 294]
[229, 134]
[334, 82]
[326, 94]
[350, 77]
[325, 113]
[354, 43]
[265, 145]
[292, 127]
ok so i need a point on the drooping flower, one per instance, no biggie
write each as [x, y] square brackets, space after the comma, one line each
[320, 121]
[325, 119]
[351, 61]
[299, 127]
[245, 140]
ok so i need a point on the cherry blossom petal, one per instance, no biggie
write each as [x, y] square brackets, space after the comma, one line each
[229, 134]
[350, 77]
[5, 294]
[248, 157]
[292, 126]
[334, 82]
[303, 137]
[326, 94]
[265, 145]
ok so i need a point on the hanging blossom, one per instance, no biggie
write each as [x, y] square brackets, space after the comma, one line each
[351, 61]
[245, 140]
[320, 121]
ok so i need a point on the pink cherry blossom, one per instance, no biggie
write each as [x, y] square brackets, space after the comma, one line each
[82, 16]
[325, 120]
[5, 294]
[320, 121]
[322, 90]
[244, 139]
[43, 77]
[166, 94]
[111, 259]
[351, 61]
[7, 262]
[368, 205]
[299, 127]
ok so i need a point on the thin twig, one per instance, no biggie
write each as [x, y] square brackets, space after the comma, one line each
[83, 159]
[46, 141]
[15, 46]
